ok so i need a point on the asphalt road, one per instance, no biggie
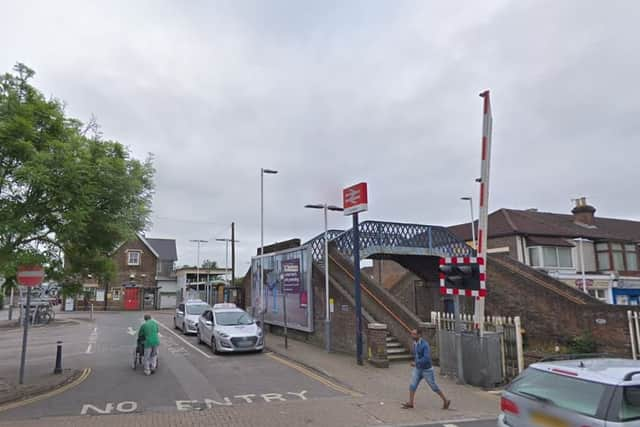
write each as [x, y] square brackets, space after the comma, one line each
[189, 376]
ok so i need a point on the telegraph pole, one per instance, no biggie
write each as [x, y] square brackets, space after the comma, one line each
[233, 253]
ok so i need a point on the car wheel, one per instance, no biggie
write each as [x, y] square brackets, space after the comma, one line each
[214, 347]
[199, 337]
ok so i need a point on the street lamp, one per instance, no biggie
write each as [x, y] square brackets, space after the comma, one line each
[473, 228]
[226, 255]
[198, 260]
[262, 172]
[327, 319]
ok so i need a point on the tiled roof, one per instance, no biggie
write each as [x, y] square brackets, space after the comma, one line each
[166, 248]
[507, 222]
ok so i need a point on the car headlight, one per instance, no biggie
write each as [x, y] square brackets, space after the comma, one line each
[190, 322]
[223, 335]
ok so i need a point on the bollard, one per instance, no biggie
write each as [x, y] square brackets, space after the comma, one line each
[91, 314]
[58, 368]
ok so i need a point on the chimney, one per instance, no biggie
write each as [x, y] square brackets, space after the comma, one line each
[582, 212]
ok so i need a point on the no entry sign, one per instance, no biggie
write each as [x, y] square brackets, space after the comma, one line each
[30, 275]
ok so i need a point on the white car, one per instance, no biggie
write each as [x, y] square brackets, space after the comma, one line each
[187, 313]
[227, 328]
[575, 392]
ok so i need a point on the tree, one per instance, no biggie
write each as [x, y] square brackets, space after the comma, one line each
[209, 265]
[66, 199]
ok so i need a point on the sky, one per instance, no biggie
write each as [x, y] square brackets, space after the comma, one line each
[331, 93]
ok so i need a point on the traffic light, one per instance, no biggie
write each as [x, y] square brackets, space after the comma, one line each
[462, 276]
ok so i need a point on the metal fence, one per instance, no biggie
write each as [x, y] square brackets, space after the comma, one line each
[510, 329]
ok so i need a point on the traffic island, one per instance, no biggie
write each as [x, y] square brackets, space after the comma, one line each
[13, 395]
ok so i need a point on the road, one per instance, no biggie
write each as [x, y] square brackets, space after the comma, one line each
[189, 377]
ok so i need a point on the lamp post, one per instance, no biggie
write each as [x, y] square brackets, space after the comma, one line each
[327, 320]
[262, 172]
[226, 254]
[473, 228]
[198, 260]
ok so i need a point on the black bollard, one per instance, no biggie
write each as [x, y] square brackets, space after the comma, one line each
[58, 369]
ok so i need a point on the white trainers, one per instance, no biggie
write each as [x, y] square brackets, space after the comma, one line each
[147, 373]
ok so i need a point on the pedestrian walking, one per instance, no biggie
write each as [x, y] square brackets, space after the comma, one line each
[423, 369]
[148, 334]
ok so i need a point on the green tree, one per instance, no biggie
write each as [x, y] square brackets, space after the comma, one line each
[66, 198]
[208, 264]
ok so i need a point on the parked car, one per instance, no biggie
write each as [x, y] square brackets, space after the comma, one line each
[187, 314]
[227, 328]
[578, 392]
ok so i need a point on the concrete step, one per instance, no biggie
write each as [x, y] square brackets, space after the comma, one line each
[390, 338]
[397, 351]
[394, 345]
[399, 357]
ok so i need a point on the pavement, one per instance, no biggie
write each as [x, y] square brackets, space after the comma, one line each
[302, 385]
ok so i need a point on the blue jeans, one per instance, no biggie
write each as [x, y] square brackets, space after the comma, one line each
[428, 375]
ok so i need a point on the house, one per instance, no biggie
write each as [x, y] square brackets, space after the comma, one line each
[598, 255]
[145, 277]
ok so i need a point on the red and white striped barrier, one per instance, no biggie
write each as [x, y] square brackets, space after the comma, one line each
[480, 293]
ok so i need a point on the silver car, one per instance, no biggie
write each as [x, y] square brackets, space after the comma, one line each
[187, 314]
[227, 328]
[579, 392]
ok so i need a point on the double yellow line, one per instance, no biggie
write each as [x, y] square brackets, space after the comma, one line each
[85, 374]
[315, 376]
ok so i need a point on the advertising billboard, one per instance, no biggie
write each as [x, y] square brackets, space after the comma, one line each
[286, 282]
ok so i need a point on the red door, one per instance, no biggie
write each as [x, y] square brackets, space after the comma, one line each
[131, 299]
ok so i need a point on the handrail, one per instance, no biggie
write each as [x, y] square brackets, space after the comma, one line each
[376, 299]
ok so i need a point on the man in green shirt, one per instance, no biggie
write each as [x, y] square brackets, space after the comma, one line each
[148, 334]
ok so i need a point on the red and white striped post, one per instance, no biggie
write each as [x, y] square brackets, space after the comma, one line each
[483, 220]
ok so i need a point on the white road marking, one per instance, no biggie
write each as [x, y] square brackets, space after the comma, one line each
[93, 338]
[268, 397]
[131, 331]
[449, 425]
[208, 356]
[246, 397]
[211, 402]
[124, 407]
[301, 395]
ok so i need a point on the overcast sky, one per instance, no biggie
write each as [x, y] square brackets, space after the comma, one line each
[333, 93]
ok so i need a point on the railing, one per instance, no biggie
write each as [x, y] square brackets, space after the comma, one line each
[389, 236]
[510, 341]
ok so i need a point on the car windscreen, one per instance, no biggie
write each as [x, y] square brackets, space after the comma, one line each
[196, 309]
[560, 390]
[232, 318]
[630, 408]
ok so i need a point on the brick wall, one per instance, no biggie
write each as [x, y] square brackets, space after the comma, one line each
[499, 242]
[147, 267]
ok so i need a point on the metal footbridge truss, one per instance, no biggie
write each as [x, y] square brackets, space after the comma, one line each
[393, 238]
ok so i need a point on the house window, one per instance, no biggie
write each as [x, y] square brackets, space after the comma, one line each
[631, 257]
[601, 294]
[133, 258]
[115, 294]
[550, 256]
[617, 256]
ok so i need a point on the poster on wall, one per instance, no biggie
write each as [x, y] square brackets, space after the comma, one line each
[99, 295]
[283, 275]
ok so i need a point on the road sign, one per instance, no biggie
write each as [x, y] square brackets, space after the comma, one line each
[354, 198]
[30, 275]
